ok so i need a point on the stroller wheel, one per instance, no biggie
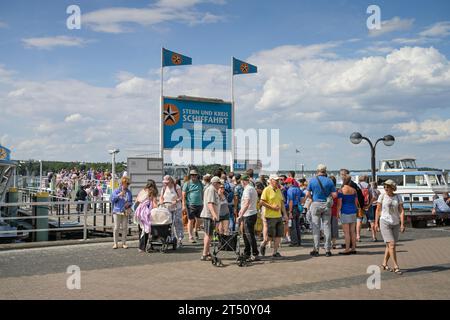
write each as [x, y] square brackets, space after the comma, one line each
[214, 261]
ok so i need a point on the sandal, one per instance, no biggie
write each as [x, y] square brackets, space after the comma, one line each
[206, 258]
[386, 268]
[398, 271]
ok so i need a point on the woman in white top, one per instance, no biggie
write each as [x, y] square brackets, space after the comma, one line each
[171, 199]
[390, 220]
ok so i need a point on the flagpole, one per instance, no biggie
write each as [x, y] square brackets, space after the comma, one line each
[161, 110]
[232, 119]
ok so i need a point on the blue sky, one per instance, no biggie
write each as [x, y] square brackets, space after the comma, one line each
[72, 94]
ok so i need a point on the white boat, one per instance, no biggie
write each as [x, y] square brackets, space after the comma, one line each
[414, 185]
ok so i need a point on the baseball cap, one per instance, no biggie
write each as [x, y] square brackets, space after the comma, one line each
[274, 177]
[290, 180]
[245, 177]
[215, 180]
[193, 172]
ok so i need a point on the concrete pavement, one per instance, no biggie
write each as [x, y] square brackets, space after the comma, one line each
[424, 256]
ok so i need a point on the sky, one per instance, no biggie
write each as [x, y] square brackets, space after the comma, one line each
[72, 94]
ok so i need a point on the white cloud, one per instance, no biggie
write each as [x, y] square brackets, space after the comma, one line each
[116, 20]
[392, 25]
[51, 42]
[440, 30]
[430, 130]
[73, 118]
[296, 88]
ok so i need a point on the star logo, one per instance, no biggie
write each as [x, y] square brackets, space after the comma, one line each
[244, 68]
[3, 154]
[171, 115]
[176, 59]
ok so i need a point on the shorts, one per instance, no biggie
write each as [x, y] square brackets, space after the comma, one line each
[224, 218]
[194, 211]
[275, 227]
[370, 214]
[209, 225]
[389, 232]
[348, 218]
[334, 227]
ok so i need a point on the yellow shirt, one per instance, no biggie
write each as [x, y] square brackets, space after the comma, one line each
[273, 198]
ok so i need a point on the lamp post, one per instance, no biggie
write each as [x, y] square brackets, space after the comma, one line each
[388, 141]
[113, 152]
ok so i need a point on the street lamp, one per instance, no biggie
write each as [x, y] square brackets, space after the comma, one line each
[388, 141]
[113, 152]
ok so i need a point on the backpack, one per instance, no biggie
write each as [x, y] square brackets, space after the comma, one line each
[366, 197]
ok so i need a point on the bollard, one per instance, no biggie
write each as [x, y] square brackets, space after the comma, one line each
[85, 220]
[12, 196]
[42, 211]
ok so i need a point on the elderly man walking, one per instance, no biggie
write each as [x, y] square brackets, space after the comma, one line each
[322, 191]
[274, 214]
[210, 215]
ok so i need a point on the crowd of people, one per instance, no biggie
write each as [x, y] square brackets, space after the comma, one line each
[268, 209]
[79, 185]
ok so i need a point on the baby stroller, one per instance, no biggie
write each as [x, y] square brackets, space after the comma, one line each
[161, 230]
[228, 243]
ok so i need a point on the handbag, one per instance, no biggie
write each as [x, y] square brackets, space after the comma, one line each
[329, 201]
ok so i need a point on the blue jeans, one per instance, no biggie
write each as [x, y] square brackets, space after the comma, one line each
[232, 222]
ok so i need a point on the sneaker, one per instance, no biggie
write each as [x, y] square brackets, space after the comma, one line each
[277, 255]
[115, 246]
[255, 258]
[314, 253]
[262, 250]
[124, 246]
[328, 254]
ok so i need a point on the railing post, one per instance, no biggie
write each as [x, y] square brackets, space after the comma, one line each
[85, 221]
[42, 211]
[12, 197]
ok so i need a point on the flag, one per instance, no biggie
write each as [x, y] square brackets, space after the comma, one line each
[171, 59]
[241, 67]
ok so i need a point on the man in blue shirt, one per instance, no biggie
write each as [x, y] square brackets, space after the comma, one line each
[441, 206]
[293, 199]
[323, 191]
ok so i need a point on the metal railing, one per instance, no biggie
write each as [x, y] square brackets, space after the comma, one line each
[105, 210]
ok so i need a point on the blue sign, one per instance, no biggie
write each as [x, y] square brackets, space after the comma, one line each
[196, 123]
[5, 154]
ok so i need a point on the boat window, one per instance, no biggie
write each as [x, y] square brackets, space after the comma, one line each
[426, 199]
[406, 198]
[433, 180]
[420, 181]
[409, 164]
[390, 164]
[397, 179]
[415, 198]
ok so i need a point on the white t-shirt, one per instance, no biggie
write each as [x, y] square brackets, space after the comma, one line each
[251, 195]
[389, 208]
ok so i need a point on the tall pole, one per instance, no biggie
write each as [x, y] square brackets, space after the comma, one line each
[161, 110]
[40, 174]
[374, 178]
[113, 169]
[232, 119]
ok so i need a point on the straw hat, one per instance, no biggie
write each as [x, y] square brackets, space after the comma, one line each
[391, 183]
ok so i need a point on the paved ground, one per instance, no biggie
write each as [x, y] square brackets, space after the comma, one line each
[424, 255]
